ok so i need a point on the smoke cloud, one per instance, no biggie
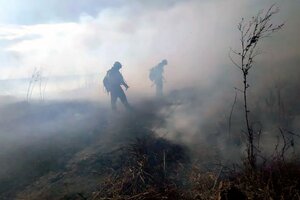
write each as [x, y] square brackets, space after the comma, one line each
[195, 36]
[75, 49]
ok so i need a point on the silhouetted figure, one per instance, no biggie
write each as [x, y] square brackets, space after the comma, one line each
[112, 83]
[156, 76]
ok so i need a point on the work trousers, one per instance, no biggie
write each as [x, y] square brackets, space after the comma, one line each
[115, 93]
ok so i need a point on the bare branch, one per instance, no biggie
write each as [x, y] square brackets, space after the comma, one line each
[231, 112]
[258, 28]
[239, 90]
[234, 61]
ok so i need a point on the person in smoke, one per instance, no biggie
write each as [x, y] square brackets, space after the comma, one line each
[156, 76]
[113, 82]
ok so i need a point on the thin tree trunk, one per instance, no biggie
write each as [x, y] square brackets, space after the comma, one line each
[250, 152]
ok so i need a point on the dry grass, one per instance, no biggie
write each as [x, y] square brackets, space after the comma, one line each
[153, 170]
[158, 169]
[277, 180]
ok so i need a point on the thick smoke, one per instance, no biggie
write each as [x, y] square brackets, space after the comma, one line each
[190, 34]
[195, 38]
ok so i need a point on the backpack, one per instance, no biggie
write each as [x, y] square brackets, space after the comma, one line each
[152, 74]
[106, 82]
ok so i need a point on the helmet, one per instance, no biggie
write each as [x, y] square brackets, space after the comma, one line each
[117, 64]
[164, 62]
